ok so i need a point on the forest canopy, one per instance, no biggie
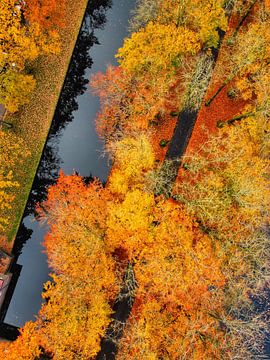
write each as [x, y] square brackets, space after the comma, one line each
[183, 240]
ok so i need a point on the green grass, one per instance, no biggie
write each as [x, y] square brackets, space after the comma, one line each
[33, 121]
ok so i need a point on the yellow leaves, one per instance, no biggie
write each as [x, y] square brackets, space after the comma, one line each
[22, 40]
[74, 305]
[132, 158]
[129, 218]
[202, 16]
[128, 222]
[117, 182]
[21, 43]
[12, 151]
[207, 17]
[15, 89]
[215, 181]
[245, 88]
[157, 47]
[134, 155]
[262, 88]
[252, 197]
[251, 50]
[45, 42]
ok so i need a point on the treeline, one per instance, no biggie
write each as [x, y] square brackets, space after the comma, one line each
[195, 259]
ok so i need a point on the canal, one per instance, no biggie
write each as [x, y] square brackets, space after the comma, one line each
[72, 145]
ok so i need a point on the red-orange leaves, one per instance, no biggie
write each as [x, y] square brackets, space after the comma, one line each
[77, 215]
[115, 91]
[26, 347]
[179, 287]
[47, 13]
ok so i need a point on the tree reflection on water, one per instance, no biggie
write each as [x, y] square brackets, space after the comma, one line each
[75, 85]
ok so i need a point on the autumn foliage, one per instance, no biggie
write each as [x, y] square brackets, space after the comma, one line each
[47, 13]
[28, 30]
[199, 255]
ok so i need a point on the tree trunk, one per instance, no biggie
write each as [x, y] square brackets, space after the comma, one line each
[230, 77]
[208, 102]
[243, 18]
[231, 121]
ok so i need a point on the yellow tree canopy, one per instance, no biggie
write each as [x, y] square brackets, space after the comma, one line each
[157, 47]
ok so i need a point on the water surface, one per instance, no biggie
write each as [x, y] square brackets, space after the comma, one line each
[73, 145]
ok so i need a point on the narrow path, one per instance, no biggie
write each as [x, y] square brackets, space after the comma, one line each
[183, 130]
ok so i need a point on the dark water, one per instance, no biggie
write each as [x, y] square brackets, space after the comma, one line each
[72, 145]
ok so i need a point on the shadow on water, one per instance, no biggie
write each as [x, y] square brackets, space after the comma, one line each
[75, 85]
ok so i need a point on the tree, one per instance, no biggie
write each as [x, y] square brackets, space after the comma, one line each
[194, 263]
[174, 265]
[80, 297]
[203, 16]
[145, 11]
[217, 178]
[129, 104]
[179, 282]
[246, 57]
[73, 305]
[157, 47]
[15, 89]
[128, 223]
[49, 14]
[115, 89]
[132, 158]
[21, 43]
[77, 236]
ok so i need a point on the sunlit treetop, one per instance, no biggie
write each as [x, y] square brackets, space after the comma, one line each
[157, 47]
[204, 17]
[48, 14]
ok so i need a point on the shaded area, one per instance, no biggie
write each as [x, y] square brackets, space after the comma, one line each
[8, 331]
[261, 303]
[183, 130]
[181, 135]
[122, 308]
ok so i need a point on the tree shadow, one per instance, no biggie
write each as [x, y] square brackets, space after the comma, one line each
[75, 85]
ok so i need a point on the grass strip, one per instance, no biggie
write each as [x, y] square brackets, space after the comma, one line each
[33, 121]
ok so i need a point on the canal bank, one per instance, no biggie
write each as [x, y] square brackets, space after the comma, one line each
[72, 145]
[32, 122]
